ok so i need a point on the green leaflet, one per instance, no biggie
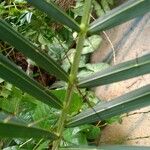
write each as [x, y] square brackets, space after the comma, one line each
[12, 74]
[12, 127]
[123, 13]
[53, 11]
[133, 100]
[7, 33]
[122, 71]
[109, 147]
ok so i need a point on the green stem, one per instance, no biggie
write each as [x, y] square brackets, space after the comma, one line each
[73, 72]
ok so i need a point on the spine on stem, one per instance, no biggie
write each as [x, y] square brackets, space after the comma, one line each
[73, 73]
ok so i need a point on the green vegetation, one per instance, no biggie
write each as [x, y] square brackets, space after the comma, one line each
[61, 113]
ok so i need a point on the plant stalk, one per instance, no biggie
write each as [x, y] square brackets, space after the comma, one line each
[73, 73]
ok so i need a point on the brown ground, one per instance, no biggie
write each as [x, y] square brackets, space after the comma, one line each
[130, 40]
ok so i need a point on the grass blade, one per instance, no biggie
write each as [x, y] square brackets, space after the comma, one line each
[7, 33]
[15, 128]
[108, 147]
[11, 73]
[123, 13]
[53, 11]
[123, 71]
[133, 100]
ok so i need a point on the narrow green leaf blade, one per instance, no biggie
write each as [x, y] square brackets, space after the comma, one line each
[133, 100]
[11, 73]
[7, 33]
[123, 71]
[123, 13]
[108, 147]
[15, 128]
[53, 11]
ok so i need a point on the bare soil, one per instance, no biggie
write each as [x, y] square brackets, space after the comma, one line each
[130, 40]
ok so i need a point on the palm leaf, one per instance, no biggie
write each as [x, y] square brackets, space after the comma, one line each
[11, 73]
[55, 12]
[15, 128]
[7, 33]
[123, 71]
[133, 100]
[123, 13]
